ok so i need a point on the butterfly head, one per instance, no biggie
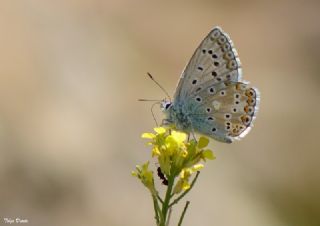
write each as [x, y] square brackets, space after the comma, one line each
[165, 105]
[166, 108]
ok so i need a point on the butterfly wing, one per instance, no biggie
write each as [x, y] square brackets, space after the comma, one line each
[214, 61]
[224, 111]
[211, 93]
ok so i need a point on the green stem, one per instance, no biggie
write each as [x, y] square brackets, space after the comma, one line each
[183, 213]
[165, 205]
[169, 216]
[156, 209]
[159, 198]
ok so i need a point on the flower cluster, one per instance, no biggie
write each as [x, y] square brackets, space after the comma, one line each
[178, 159]
[176, 156]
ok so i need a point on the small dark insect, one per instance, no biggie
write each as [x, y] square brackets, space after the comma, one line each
[162, 176]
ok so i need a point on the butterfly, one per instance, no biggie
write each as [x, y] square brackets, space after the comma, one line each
[210, 98]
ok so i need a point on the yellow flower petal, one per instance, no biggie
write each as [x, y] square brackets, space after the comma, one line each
[185, 185]
[148, 135]
[198, 167]
[155, 151]
[208, 154]
[203, 142]
[160, 130]
[178, 136]
[133, 173]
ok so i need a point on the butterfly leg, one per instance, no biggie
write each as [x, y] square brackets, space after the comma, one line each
[193, 135]
[192, 131]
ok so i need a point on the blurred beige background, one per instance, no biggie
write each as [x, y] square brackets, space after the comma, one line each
[70, 76]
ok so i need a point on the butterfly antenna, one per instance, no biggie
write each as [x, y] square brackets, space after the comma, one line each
[149, 100]
[151, 77]
[153, 115]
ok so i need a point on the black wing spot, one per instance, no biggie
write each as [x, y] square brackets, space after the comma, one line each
[200, 68]
[211, 90]
[194, 82]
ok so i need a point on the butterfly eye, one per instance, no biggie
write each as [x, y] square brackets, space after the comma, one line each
[167, 105]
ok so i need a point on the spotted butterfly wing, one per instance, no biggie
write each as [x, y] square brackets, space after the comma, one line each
[214, 61]
[210, 97]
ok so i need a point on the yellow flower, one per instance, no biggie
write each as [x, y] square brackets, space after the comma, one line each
[183, 182]
[146, 176]
[175, 154]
